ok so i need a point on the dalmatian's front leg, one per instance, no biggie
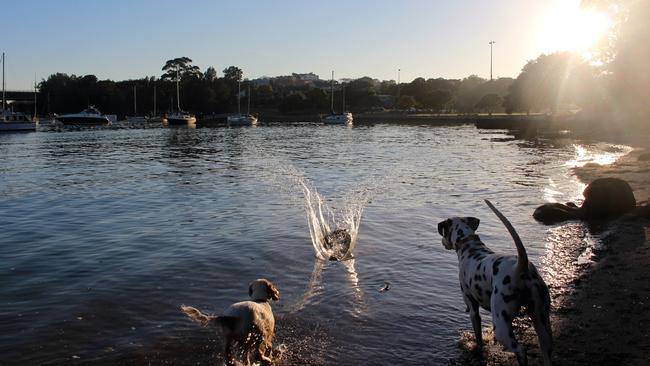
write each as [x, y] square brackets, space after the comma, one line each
[474, 315]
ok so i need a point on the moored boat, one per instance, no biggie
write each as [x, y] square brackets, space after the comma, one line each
[16, 121]
[10, 120]
[240, 119]
[333, 118]
[180, 118]
[338, 118]
[90, 116]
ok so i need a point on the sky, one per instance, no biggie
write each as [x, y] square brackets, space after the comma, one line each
[128, 39]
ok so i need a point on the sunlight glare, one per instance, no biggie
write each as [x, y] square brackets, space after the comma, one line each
[567, 27]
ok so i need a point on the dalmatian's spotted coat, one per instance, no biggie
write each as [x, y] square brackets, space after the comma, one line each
[500, 284]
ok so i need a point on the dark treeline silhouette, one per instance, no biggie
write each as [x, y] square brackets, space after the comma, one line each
[614, 85]
[206, 93]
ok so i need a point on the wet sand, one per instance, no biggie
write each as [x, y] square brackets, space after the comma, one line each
[600, 315]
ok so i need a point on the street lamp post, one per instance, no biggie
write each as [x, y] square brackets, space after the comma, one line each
[398, 82]
[491, 44]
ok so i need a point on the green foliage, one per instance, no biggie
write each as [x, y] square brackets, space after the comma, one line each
[181, 66]
[437, 100]
[210, 74]
[406, 102]
[233, 74]
[489, 103]
[548, 83]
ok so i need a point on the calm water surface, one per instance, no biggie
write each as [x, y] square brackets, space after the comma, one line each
[105, 233]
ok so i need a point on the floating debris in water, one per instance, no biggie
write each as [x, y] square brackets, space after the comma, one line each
[385, 288]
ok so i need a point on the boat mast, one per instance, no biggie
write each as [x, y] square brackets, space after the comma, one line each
[135, 103]
[332, 93]
[239, 97]
[249, 99]
[178, 95]
[35, 106]
[4, 92]
[154, 97]
[343, 98]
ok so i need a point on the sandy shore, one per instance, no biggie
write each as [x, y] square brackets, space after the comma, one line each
[601, 313]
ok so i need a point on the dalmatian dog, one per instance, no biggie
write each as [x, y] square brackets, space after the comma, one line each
[499, 283]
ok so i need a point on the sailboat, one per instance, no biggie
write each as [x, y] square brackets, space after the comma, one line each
[135, 119]
[155, 117]
[337, 118]
[180, 117]
[242, 119]
[10, 120]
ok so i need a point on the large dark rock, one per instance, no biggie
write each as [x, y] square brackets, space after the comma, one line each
[549, 213]
[604, 198]
[607, 197]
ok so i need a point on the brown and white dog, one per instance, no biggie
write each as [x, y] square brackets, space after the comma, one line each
[498, 283]
[249, 323]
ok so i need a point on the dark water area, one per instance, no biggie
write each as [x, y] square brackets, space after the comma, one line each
[105, 233]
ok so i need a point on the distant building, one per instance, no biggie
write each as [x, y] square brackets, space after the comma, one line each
[306, 77]
[264, 80]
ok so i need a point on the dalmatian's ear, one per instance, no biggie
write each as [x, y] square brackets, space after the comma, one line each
[473, 222]
[442, 225]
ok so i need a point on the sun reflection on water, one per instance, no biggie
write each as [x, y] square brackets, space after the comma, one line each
[586, 156]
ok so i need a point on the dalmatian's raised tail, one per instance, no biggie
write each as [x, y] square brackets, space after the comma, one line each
[522, 257]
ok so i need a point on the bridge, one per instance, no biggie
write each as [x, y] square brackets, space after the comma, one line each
[18, 95]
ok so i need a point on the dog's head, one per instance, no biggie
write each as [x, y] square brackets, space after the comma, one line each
[263, 290]
[456, 228]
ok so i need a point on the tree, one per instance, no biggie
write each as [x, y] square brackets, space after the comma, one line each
[489, 103]
[361, 94]
[416, 88]
[210, 74]
[545, 84]
[437, 99]
[625, 53]
[406, 102]
[317, 99]
[233, 74]
[181, 66]
[468, 93]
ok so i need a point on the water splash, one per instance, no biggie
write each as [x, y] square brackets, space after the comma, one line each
[333, 233]
[333, 229]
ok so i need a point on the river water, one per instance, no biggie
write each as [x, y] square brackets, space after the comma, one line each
[105, 233]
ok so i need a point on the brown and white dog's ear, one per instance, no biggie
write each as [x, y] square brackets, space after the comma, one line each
[272, 292]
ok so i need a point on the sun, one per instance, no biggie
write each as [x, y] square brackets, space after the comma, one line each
[568, 27]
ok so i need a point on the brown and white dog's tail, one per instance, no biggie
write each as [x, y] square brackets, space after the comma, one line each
[197, 316]
[522, 257]
[205, 320]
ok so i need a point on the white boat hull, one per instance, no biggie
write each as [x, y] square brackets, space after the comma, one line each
[241, 120]
[338, 119]
[181, 120]
[17, 126]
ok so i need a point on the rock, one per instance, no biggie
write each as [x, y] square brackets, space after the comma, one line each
[607, 197]
[604, 198]
[550, 213]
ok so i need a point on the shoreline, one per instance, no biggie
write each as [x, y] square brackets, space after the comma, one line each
[601, 313]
